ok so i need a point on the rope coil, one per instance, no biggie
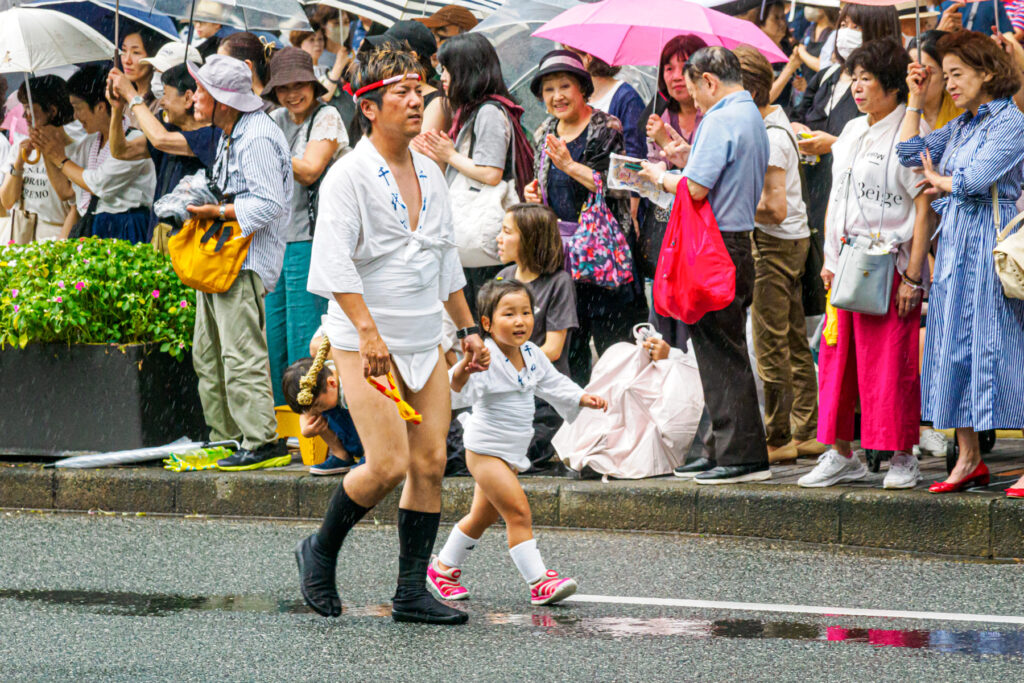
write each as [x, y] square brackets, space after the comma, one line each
[308, 383]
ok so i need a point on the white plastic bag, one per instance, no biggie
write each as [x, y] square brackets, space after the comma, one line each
[191, 190]
[654, 408]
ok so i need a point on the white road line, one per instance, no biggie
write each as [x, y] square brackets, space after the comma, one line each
[797, 609]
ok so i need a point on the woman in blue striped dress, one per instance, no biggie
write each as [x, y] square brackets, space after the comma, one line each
[973, 376]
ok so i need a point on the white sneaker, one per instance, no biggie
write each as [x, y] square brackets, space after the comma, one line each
[833, 469]
[931, 443]
[903, 473]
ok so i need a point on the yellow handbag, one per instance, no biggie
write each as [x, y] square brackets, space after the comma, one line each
[207, 254]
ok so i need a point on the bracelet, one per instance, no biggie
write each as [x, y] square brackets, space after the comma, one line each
[467, 331]
[335, 81]
[15, 173]
[661, 181]
[910, 281]
[221, 212]
[916, 286]
[916, 110]
[60, 166]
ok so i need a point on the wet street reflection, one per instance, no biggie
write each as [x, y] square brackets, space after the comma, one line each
[556, 622]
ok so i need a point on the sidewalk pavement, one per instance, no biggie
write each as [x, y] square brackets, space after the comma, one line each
[979, 523]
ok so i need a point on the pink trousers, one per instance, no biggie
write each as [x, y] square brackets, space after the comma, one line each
[875, 361]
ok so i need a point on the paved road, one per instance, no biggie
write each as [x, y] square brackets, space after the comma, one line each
[87, 598]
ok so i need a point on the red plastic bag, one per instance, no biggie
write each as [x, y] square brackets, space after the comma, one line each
[695, 273]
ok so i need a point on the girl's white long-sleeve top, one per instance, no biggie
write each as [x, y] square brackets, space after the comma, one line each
[501, 423]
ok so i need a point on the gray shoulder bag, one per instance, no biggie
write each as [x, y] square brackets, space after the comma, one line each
[863, 279]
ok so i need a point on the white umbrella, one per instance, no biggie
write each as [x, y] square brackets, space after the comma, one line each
[35, 39]
[387, 12]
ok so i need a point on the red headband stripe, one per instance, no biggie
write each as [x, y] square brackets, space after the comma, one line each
[387, 81]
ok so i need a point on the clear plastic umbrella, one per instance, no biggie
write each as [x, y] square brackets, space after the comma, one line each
[262, 15]
[509, 29]
[387, 12]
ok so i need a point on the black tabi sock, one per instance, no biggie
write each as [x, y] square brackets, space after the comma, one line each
[342, 514]
[417, 532]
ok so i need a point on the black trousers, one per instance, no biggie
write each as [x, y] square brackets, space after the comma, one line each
[605, 315]
[720, 344]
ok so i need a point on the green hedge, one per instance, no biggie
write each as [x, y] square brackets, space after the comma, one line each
[93, 291]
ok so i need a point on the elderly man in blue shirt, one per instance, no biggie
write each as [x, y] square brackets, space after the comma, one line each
[726, 165]
[253, 171]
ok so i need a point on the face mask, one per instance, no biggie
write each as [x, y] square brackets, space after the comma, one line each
[812, 14]
[156, 85]
[338, 33]
[847, 40]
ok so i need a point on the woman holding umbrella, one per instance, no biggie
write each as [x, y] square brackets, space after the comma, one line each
[25, 181]
[136, 49]
[578, 142]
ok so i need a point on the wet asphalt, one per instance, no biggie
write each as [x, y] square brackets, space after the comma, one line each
[95, 597]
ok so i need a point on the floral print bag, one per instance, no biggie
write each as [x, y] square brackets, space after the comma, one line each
[597, 253]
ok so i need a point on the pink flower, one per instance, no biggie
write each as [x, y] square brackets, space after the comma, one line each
[60, 283]
[79, 285]
[184, 304]
[59, 299]
[181, 345]
[156, 293]
[14, 293]
[17, 308]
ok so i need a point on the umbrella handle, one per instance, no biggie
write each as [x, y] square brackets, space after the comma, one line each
[27, 156]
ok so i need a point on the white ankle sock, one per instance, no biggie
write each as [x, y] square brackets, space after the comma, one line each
[456, 548]
[528, 561]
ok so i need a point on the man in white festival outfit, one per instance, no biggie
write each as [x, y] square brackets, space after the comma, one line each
[384, 256]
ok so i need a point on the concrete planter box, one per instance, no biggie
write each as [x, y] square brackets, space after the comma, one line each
[57, 399]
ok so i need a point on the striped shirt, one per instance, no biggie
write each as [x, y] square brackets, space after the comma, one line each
[255, 168]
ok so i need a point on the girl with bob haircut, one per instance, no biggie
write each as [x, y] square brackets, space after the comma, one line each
[530, 242]
[972, 377]
[497, 434]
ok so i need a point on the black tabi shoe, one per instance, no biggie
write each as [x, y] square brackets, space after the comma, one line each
[419, 606]
[734, 474]
[412, 602]
[692, 469]
[317, 579]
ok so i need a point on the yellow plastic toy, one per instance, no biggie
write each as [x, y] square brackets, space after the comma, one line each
[407, 412]
[831, 332]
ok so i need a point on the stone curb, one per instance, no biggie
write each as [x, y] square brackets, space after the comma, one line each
[976, 525]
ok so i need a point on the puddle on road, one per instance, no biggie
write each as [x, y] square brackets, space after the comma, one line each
[550, 621]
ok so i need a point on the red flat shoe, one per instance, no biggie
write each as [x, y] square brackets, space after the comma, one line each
[1014, 493]
[979, 477]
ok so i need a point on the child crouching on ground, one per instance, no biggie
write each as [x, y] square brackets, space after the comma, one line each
[497, 435]
[325, 415]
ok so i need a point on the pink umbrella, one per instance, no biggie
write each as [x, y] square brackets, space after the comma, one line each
[631, 32]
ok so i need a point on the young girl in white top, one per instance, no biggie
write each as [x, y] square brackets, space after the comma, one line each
[497, 435]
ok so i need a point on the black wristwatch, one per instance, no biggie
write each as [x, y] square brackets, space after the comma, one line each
[467, 331]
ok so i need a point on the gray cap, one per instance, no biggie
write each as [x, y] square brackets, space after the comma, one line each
[229, 81]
